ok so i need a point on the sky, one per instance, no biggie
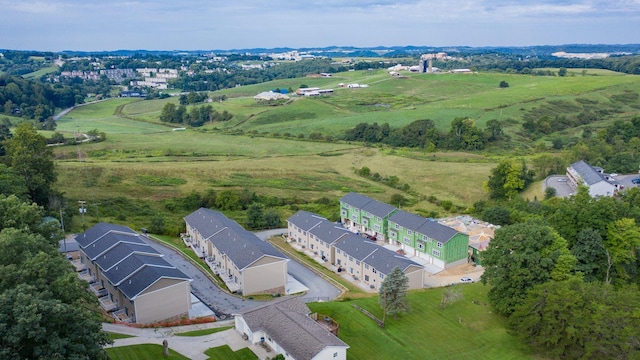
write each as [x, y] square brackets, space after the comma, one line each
[101, 25]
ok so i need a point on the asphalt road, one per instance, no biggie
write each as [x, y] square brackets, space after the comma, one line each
[225, 304]
[319, 288]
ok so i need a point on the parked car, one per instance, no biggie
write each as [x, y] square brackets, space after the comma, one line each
[635, 181]
[466, 280]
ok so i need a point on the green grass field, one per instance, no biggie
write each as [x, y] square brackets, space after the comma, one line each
[204, 331]
[39, 73]
[142, 352]
[467, 329]
[154, 352]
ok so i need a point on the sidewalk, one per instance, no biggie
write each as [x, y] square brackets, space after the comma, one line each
[192, 347]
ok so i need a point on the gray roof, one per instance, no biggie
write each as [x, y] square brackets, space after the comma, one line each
[356, 200]
[407, 220]
[356, 246]
[589, 174]
[209, 222]
[437, 231]
[385, 260]
[131, 264]
[98, 230]
[147, 276]
[305, 220]
[106, 242]
[68, 245]
[380, 258]
[120, 251]
[242, 247]
[287, 322]
[328, 231]
[378, 208]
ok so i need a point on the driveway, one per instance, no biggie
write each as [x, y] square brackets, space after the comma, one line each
[319, 288]
[222, 303]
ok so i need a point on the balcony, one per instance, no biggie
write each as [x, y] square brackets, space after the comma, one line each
[121, 316]
[231, 284]
[86, 276]
[107, 304]
[97, 289]
[78, 265]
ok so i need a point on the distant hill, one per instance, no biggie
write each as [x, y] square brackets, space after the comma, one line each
[386, 51]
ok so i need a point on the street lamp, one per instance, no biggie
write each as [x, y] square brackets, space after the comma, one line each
[83, 210]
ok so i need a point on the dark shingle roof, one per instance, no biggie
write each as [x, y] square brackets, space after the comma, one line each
[108, 241]
[407, 220]
[147, 276]
[120, 251]
[242, 247]
[356, 246]
[305, 220]
[378, 208]
[287, 322]
[385, 260]
[356, 200]
[100, 229]
[132, 263]
[209, 222]
[328, 231]
[437, 231]
[589, 174]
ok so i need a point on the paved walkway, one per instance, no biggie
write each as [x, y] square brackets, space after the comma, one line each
[192, 347]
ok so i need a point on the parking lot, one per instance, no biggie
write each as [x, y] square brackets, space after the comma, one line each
[560, 183]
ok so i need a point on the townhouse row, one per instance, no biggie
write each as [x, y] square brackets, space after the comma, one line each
[343, 251]
[245, 263]
[132, 280]
[438, 246]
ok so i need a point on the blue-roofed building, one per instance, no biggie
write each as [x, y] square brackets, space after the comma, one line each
[247, 264]
[132, 280]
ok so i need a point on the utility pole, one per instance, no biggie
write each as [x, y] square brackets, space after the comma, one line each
[63, 233]
[83, 210]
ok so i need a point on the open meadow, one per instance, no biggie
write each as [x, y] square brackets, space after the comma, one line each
[146, 162]
[466, 329]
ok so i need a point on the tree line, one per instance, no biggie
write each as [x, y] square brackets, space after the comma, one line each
[46, 312]
[463, 135]
[565, 271]
[196, 116]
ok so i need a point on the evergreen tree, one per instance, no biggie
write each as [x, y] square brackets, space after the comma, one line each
[393, 293]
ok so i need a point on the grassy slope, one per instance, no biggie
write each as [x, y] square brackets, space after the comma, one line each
[142, 352]
[38, 73]
[398, 101]
[466, 329]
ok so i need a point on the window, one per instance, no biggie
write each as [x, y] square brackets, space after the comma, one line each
[335, 354]
[347, 206]
[378, 218]
[439, 244]
[369, 215]
[338, 251]
[425, 238]
[339, 262]
[357, 262]
[377, 227]
[311, 246]
[396, 226]
[436, 253]
[351, 270]
[374, 270]
[393, 234]
[366, 266]
[407, 240]
[420, 245]
[366, 278]
[350, 258]
[381, 276]
[344, 212]
[409, 232]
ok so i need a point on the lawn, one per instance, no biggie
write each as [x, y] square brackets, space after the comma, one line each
[466, 329]
[141, 352]
[154, 352]
[204, 331]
